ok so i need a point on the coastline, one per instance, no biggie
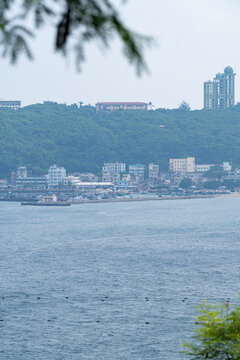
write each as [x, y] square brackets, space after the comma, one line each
[231, 195]
[150, 198]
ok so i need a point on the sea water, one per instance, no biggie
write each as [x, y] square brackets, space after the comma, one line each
[113, 280]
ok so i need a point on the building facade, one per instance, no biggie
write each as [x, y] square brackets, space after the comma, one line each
[33, 182]
[227, 166]
[182, 165]
[21, 172]
[56, 176]
[153, 172]
[112, 106]
[12, 104]
[201, 168]
[137, 172]
[219, 94]
[111, 171]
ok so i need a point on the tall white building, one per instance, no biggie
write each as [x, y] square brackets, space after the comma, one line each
[56, 176]
[182, 165]
[220, 93]
[153, 172]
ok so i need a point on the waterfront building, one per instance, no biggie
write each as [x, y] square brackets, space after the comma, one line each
[114, 167]
[112, 106]
[33, 182]
[86, 177]
[111, 171]
[227, 166]
[94, 185]
[12, 104]
[137, 172]
[220, 92]
[153, 172]
[182, 165]
[56, 176]
[21, 172]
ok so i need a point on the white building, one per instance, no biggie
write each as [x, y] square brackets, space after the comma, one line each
[137, 172]
[12, 104]
[111, 171]
[153, 172]
[21, 172]
[203, 167]
[226, 166]
[114, 168]
[182, 165]
[56, 176]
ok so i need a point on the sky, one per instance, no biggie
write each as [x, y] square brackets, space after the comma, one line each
[195, 39]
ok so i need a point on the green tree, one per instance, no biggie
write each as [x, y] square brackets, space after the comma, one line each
[215, 172]
[184, 106]
[217, 335]
[77, 22]
[186, 183]
[213, 185]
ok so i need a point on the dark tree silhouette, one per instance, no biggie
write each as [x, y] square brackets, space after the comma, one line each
[76, 22]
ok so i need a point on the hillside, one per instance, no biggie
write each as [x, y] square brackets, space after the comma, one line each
[82, 140]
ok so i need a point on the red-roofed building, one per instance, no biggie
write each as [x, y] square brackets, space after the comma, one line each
[111, 106]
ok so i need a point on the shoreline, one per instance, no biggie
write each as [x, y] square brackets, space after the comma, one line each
[231, 195]
[155, 198]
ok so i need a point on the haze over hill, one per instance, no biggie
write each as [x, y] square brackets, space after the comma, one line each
[82, 140]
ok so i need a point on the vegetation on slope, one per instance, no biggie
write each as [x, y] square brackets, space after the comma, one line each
[82, 140]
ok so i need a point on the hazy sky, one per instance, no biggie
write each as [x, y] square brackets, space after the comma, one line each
[196, 39]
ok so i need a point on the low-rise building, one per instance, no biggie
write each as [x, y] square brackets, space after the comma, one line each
[86, 177]
[12, 104]
[201, 168]
[112, 106]
[33, 182]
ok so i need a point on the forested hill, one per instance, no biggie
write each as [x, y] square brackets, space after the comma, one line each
[82, 140]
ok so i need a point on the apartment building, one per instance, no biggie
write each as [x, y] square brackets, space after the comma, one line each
[153, 172]
[56, 176]
[137, 172]
[111, 171]
[220, 92]
[182, 165]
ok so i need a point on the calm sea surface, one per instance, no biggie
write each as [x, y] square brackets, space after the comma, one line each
[114, 280]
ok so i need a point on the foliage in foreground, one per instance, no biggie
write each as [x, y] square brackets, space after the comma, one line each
[217, 335]
[77, 22]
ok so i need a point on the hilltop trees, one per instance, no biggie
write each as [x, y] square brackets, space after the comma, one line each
[80, 139]
[184, 106]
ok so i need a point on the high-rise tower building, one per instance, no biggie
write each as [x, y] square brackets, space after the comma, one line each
[220, 93]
